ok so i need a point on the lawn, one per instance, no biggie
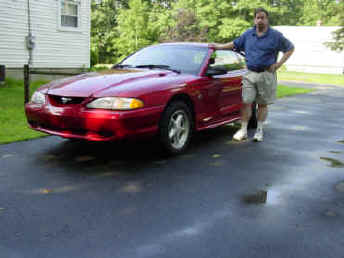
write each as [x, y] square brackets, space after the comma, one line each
[333, 79]
[285, 91]
[13, 126]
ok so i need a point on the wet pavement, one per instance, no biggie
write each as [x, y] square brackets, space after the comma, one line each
[280, 198]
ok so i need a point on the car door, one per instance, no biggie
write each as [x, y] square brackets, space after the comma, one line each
[230, 84]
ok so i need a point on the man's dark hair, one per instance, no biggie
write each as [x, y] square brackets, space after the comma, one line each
[260, 10]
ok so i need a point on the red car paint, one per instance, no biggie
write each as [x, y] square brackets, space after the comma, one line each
[216, 100]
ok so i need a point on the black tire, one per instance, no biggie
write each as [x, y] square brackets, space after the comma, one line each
[175, 138]
[252, 124]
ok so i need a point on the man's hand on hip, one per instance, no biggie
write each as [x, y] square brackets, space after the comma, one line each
[274, 67]
[285, 57]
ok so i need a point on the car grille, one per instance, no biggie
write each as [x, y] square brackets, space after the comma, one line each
[63, 100]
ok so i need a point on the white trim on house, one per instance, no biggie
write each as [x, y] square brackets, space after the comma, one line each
[54, 47]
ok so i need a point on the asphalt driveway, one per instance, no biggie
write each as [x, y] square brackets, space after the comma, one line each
[60, 198]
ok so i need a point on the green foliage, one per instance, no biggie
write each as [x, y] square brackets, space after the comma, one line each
[103, 30]
[211, 13]
[99, 67]
[232, 28]
[326, 12]
[186, 27]
[338, 43]
[135, 28]
[338, 35]
[120, 27]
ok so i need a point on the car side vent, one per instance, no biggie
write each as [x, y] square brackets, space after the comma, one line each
[63, 100]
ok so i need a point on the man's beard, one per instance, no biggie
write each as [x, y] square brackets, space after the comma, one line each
[260, 27]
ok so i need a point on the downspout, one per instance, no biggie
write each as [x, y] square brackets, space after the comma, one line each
[30, 44]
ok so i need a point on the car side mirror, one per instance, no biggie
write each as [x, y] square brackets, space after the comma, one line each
[215, 71]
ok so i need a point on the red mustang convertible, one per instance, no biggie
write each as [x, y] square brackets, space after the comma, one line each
[168, 90]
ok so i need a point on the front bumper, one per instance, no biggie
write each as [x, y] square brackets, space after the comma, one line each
[76, 121]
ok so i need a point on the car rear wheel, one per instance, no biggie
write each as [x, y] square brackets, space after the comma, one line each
[176, 127]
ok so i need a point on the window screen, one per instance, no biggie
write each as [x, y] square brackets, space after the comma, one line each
[69, 14]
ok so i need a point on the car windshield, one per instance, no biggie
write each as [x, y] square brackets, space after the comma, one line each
[178, 58]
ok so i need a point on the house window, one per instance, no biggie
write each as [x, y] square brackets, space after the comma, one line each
[70, 14]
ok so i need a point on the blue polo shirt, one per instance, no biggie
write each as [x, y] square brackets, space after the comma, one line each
[261, 52]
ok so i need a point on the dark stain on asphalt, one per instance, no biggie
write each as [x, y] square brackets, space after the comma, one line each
[160, 162]
[256, 198]
[217, 163]
[336, 152]
[330, 213]
[187, 156]
[340, 187]
[333, 163]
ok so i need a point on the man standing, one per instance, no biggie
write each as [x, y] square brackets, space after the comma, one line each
[261, 45]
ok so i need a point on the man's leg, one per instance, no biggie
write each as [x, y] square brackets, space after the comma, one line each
[246, 112]
[249, 94]
[262, 115]
[266, 95]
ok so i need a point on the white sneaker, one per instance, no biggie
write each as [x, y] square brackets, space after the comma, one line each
[258, 136]
[240, 135]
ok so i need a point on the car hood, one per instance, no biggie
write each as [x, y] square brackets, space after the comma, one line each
[93, 84]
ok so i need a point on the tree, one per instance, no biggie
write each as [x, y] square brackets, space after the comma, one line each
[338, 35]
[186, 28]
[134, 28]
[120, 27]
[326, 12]
[201, 20]
[285, 12]
[103, 29]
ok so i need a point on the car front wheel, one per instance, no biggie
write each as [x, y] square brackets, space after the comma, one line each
[176, 127]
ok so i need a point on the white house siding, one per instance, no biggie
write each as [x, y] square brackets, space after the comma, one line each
[311, 55]
[54, 48]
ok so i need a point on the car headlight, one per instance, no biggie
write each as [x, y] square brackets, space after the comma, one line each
[38, 98]
[116, 103]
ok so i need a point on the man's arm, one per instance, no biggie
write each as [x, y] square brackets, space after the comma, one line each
[216, 46]
[285, 57]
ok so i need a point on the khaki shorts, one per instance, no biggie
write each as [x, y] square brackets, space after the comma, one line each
[259, 87]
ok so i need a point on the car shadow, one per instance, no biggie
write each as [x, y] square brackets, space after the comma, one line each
[130, 157]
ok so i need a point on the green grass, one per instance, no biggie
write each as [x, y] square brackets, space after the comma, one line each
[333, 79]
[13, 125]
[285, 91]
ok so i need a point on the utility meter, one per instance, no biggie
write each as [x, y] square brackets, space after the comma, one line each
[30, 42]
